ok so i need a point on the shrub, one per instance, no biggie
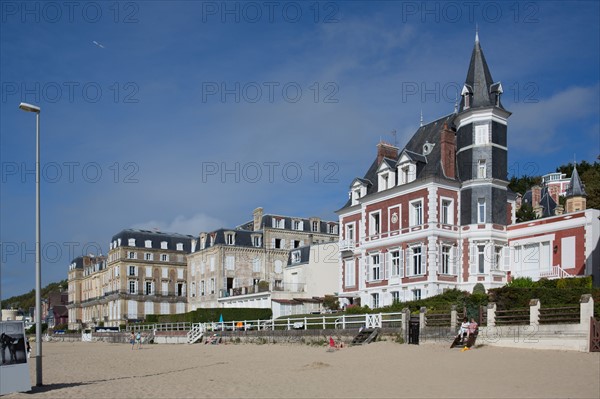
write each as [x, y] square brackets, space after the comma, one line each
[478, 289]
[521, 282]
[331, 302]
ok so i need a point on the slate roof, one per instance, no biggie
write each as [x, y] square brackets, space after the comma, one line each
[304, 255]
[156, 237]
[576, 187]
[267, 220]
[427, 165]
[243, 238]
[479, 79]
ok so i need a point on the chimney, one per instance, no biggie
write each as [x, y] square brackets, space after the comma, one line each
[257, 217]
[386, 150]
[536, 196]
[448, 151]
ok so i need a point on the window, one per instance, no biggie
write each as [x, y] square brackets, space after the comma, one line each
[132, 271]
[164, 257]
[202, 287]
[148, 243]
[131, 242]
[481, 210]
[230, 239]
[180, 273]
[445, 261]
[165, 272]
[180, 246]
[417, 261]
[481, 259]
[164, 288]
[132, 286]
[315, 226]
[230, 262]
[416, 214]
[497, 258]
[278, 223]
[395, 296]
[349, 273]
[277, 243]
[295, 257]
[180, 289]
[446, 216]
[149, 288]
[332, 229]
[375, 268]
[212, 263]
[148, 256]
[131, 255]
[396, 263]
[256, 241]
[374, 223]
[375, 300]
[416, 294]
[256, 265]
[163, 245]
[350, 232]
[298, 225]
[481, 169]
[482, 134]
[212, 285]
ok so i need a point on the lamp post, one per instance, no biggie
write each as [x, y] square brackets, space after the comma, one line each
[38, 263]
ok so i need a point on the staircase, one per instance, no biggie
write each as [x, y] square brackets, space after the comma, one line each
[366, 336]
[195, 333]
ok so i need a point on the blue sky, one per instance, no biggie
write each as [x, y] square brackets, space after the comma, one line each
[185, 116]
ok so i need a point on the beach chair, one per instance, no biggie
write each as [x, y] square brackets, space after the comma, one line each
[462, 341]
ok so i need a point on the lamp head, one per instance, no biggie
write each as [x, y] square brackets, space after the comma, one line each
[29, 108]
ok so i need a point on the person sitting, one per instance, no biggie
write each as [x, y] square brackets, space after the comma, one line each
[472, 328]
[464, 328]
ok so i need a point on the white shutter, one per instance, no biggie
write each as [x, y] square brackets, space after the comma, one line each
[273, 241]
[506, 258]
[387, 259]
[453, 260]
[409, 262]
[367, 263]
[401, 263]
[473, 258]
[440, 258]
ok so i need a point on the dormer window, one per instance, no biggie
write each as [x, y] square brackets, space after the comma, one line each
[496, 91]
[466, 94]
[278, 223]
[148, 243]
[163, 245]
[296, 257]
[256, 241]
[230, 238]
[298, 225]
[407, 172]
[131, 242]
[315, 226]
[180, 246]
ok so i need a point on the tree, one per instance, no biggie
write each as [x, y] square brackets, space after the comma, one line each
[525, 213]
[590, 177]
[523, 183]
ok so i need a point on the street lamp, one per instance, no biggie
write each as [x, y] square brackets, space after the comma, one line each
[38, 263]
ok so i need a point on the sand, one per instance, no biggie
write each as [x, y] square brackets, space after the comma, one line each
[377, 370]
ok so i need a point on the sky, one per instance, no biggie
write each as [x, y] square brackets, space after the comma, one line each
[186, 116]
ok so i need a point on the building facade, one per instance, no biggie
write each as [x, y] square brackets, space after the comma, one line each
[438, 214]
[243, 266]
[144, 273]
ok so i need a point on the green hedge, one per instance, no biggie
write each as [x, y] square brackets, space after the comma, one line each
[212, 315]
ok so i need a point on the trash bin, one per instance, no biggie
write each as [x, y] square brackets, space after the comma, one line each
[413, 330]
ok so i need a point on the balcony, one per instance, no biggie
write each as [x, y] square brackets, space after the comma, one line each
[347, 245]
[255, 289]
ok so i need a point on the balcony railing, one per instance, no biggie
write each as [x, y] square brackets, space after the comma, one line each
[163, 294]
[347, 245]
[255, 289]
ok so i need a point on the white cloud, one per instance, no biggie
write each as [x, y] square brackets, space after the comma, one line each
[543, 123]
[184, 225]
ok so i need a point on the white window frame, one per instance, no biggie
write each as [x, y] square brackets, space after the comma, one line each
[481, 169]
[179, 246]
[164, 245]
[148, 243]
[445, 259]
[131, 255]
[375, 273]
[230, 238]
[375, 302]
[374, 228]
[230, 262]
[148, 256]
[256, 265]
[416, 268]
[416, 294]
[395, 296]
[134, 269]
[164, 257]
[446, 211]
[416, 218]
[481, 210]
[131, 242]
[350, 235]
[132, 285]
[397, 262]
[151, 291]
[481, 249]
[296, 257]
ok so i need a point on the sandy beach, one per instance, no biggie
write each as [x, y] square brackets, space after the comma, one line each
[377, 370]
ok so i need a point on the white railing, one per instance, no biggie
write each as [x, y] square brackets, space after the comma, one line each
[556, 272]
[346, 245]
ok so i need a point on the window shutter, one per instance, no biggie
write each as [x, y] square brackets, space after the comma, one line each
[409, 262]
[387, 259]
[366, 271]
[453, 260]
[473, 258]
[440, 259]
[401, 263]
[506, 257]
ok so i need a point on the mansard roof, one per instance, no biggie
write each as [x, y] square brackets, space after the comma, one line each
[243, 238]
[304, 255]
[479, 80]
[141, 236]
[576, 187]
